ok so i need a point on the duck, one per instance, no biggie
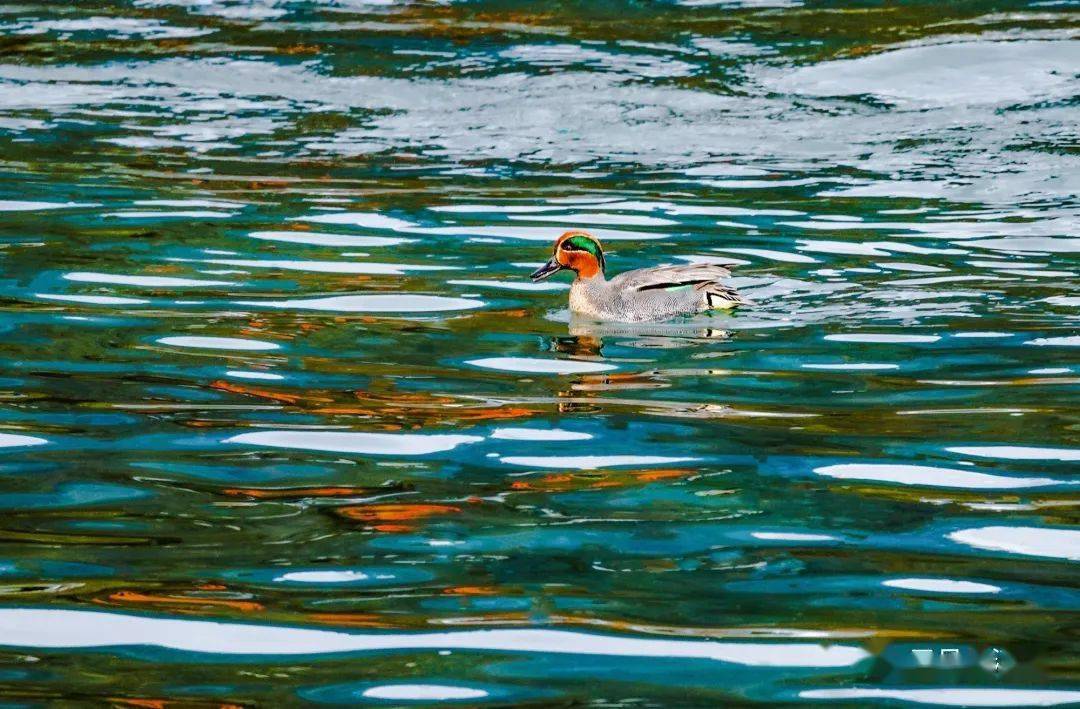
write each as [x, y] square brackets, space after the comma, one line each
[642, 295]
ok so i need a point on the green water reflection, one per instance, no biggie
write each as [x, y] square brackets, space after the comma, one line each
[284, 420]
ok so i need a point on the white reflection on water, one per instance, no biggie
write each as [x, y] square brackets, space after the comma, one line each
[1069, 341]
[793, 537]
[337, 576]
[512, 285]
[355, 267]
[146, 281]
[565, 55]
[219, 343]
[320, 238]
[423, 692]
[11, 440]
[368, 220]
[932, 476]
[533, 233]
[538, 434]
[533, 365]
[945, 74]
[391, 303]
[1018, 452]
[954, 696]
[355, 442]
[605, 112]
[890, 338]
[113, 27]
[592, 462]
[92, 299]
[1039, 244]
[1030, 541]
[852, 366]
[496, 208]
[185, 214]
[15, 205]
[599, 218]
[941, 585]
[207, 203]
[771, 254]
[54, 628]
[266, 376]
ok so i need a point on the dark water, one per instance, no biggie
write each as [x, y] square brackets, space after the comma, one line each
[284, 421]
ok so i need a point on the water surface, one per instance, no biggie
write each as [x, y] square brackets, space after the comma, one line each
[286, 423]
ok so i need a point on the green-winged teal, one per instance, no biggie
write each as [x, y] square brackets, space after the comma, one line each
[646, 294]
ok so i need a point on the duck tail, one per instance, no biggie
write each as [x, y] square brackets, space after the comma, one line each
[721, 297]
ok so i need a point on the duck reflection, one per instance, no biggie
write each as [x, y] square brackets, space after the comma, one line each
[586, 337]
[678, 330]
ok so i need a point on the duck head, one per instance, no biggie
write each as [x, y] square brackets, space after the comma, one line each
[578, 251]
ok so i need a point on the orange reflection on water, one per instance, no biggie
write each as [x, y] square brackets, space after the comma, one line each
[253, 391]
[135, 597]
[474, 591]
[152, 703]
[398, 409]
[354, 620]
[394, 517]
[593, 480]
[286, 493]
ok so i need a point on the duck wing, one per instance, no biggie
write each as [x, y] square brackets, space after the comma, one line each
[673, 276]
[682, 288]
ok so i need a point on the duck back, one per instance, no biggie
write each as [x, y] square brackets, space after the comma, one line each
[650, 294]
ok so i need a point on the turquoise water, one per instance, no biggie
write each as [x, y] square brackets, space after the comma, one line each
[284, 422]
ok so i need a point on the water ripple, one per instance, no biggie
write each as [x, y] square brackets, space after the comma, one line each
[279, 393]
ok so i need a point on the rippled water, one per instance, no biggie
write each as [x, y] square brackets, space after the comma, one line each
[285, 422]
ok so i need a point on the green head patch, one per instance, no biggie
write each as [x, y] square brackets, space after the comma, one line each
[580, 242]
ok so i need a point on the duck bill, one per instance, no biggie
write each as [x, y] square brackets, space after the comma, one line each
[547, 270]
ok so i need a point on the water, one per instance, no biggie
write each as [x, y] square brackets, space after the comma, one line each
[284, 421]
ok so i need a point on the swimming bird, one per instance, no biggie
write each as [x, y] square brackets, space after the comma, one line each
[657, 293]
